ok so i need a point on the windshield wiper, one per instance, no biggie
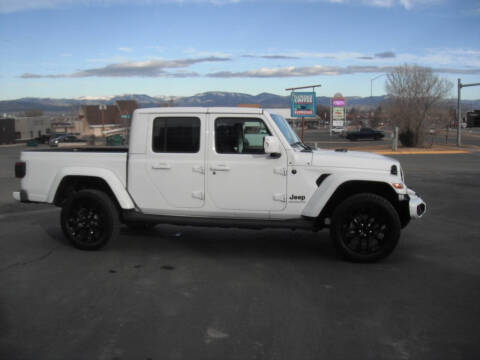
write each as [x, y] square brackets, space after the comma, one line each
[306, 148]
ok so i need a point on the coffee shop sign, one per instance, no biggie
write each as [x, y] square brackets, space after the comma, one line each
[303, 104]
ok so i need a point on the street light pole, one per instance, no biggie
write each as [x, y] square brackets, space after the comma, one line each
[459, 113]
[459, 109]
[371, 83]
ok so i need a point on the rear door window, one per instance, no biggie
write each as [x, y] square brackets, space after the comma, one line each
[176, 135]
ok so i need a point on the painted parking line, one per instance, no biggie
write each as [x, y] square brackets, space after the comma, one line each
[420, 152]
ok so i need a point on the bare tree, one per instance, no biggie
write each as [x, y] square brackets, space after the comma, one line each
[378, 117]
[414, 91]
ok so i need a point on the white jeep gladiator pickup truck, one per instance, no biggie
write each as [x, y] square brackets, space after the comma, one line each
[223, 167]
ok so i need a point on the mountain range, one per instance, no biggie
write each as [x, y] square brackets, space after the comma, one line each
[212, 98]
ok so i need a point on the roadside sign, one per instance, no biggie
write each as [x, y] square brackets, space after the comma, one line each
[126, 116]
[338, 113]
[303, 104]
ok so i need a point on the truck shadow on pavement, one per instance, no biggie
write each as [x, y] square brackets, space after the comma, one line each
[239, 243]
[267, 243]
[171, 240]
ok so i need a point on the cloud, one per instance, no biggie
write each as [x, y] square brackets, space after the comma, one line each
[317, 70]
[272, 57]
[472, 12]
[292, 71]
[125, 49]
[385, 55]
[149, 68]
[407, 4]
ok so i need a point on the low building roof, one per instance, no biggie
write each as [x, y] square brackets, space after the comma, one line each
[93, 115]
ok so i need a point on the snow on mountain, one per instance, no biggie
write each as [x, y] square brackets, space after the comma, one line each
[94, 98]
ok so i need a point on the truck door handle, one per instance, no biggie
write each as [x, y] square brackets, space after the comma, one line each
[219, 167]
[161, 166]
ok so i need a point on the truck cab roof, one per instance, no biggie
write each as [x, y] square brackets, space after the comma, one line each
[200, 110]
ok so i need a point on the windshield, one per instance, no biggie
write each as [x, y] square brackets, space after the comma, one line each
[286, 130]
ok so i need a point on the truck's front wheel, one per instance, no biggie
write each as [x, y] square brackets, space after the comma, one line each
[89, 219]
[365, 228]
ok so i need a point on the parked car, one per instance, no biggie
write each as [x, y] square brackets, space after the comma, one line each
[68, 138]
[42, 139]
[365, 134]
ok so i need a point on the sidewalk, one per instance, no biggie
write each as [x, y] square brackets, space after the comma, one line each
[10, 145]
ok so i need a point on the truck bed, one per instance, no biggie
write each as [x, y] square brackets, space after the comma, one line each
[45, 168]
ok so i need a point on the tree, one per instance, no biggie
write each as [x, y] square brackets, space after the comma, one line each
[378, 117]
[323, 112]
[414, 91]
[33, 113]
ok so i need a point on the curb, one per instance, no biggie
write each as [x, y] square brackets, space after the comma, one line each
[10, 145]
[421, 152]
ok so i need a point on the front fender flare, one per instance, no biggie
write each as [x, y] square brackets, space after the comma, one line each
[329, 186]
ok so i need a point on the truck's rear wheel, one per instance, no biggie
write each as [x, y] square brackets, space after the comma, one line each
[89, 219]
[365, 228]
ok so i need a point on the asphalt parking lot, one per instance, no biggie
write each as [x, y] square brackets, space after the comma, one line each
[200, 293]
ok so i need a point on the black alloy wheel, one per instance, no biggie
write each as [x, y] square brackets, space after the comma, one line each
[90, 219]
[365, 228]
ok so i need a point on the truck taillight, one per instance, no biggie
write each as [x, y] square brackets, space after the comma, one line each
[20, 169]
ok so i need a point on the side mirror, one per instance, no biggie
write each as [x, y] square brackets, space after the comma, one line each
[272, 146]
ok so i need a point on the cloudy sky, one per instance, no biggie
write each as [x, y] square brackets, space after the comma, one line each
[73, 48]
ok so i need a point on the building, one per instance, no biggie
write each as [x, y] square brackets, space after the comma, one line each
[7, 131]
[473, 118]
[31, 127]
[126, 108]
[95, 122]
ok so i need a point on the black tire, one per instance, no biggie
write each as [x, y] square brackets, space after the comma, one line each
[365, 228]
[90, 219]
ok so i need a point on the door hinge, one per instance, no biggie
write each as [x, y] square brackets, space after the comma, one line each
[280, 171]
[280, 197]
[199, 169]
[198, 195]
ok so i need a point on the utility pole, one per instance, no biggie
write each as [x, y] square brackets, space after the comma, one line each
[102, 108]
[459, 109]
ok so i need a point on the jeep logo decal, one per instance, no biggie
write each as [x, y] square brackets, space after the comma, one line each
[296, 197]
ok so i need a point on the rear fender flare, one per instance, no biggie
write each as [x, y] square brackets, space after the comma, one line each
[112, 180]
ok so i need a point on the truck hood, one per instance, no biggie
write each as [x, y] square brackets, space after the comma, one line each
[352, 160]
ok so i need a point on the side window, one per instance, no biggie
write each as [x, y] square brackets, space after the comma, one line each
[240, 135]
[176, 135]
